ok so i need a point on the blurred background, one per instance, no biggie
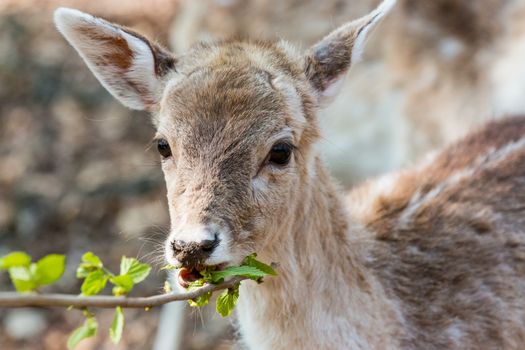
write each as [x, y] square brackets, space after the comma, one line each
[78, 173]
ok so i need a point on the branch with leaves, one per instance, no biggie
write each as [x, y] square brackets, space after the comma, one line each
[27, 277]
[17, 300]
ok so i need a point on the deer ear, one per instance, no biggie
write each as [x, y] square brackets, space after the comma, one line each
[129, 66]
[329, 59]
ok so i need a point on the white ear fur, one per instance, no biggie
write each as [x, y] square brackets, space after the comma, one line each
[123, 62]
[376, 17]
[331, 58]
[332, 89]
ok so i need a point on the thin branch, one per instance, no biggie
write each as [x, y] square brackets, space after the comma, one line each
[11, 300]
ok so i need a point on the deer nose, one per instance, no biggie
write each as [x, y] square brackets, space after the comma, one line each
[191, 254]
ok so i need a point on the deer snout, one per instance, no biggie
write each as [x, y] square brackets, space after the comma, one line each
[194, 253]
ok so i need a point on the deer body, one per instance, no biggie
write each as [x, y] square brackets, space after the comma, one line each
[429, 258]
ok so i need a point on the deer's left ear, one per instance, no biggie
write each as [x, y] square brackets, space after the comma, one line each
[328, 60]
[128, 65]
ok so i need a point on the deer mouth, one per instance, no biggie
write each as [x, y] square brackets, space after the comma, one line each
[187, 275]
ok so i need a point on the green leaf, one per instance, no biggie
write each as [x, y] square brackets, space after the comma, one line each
[201, 300]
[84, 269]
[125, 264]
[123, 281]
[13, 259]
[115, 332]
[196, 284]
[251, 261]
[90, 262]
[246, 271]
[22, 278]
[118, 291]
[91, 259]
[95, 281]
[227, 300]
[167, 287]
[50, 268]
[136, 270]
[87, 330]
[168, 267]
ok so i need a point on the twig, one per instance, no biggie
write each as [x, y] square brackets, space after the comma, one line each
[11, 300]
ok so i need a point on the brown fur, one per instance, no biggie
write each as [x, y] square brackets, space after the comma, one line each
[460, 260]
[326, 62]
[121, 55]
[456, 157]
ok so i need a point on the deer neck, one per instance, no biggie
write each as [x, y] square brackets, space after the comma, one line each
[322, 279]
[315, 233]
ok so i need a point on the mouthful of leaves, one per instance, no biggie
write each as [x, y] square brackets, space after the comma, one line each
[195, 277]
[187, 275]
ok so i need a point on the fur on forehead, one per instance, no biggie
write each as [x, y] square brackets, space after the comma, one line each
[257, 83]
[273, 57]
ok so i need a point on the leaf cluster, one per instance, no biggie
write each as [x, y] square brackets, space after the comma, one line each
[96, 277]
[226, 301]
[28, 276]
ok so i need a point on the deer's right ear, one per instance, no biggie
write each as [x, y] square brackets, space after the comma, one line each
[128, 65]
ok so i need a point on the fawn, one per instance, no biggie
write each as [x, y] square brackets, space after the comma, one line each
[432, 257]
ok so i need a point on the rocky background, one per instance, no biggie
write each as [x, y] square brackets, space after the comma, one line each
[78, 173]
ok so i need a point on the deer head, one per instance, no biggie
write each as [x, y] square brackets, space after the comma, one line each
[235, 125]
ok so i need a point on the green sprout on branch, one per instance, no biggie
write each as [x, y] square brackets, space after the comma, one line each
[27, 277]
[96, 276]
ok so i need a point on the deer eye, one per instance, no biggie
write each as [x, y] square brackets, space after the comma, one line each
[280, 154]
[164, 148]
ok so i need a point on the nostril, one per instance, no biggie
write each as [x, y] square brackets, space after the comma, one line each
[208, 248]
[194, 253]
[209, 245]
[177, 246]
